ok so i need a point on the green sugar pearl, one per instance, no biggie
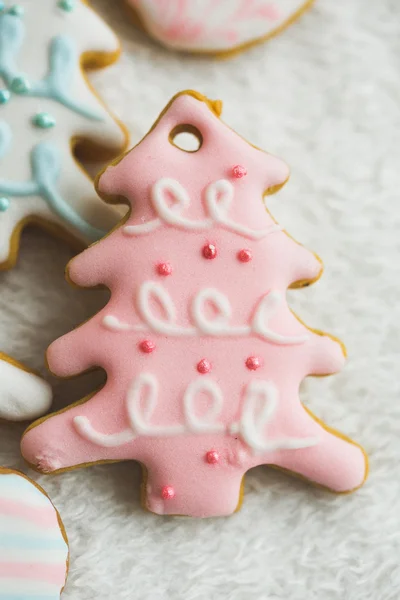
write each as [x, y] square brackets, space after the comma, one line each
[20, 85]
[4, 96]
[43, 120]
[67, 5]
[4, 204]
[16, 10]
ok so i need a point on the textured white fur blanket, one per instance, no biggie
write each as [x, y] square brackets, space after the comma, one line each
[325, 96]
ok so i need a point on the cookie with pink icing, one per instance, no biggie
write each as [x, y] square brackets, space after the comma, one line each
[203, 356]
[33, 544]
[214, 26]
[23, 394]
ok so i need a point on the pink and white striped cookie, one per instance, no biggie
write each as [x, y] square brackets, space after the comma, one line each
[215, 26]
[33, 542]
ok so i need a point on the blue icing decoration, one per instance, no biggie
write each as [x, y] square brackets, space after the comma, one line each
[4, 204]
[16, 10]
[63, 65]
[63, 60]
[67, 5]
[12, 33]
[5, 138]
[46, 167]
[43, 120]
[4, 96]
[20, 85]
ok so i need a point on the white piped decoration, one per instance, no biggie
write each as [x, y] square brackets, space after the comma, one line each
[261, 400]
[87, 431]
[166, 326]
[145, 388]
[265, 310]
[114, 324]
[218, 199]
[260, 405]
[172, 215]
[208, 423]
[219, 326]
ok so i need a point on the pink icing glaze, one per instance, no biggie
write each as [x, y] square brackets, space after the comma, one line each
[124, 262]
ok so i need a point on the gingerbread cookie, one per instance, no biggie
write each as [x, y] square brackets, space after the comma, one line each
[23, 395]
[203, 355]
[47, 108]
[33, 542]
[218, 27]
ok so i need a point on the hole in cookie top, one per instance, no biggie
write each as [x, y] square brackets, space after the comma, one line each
[186, 137]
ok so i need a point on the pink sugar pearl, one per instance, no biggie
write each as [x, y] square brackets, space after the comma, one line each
[209, 251]
[238, 171]
[204, 366]
[245, 255]
[147, 346]
[164, 269]
[167, 492]
[212, 457]
[253, 363]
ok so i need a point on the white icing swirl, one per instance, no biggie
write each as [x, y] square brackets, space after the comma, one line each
[218, 326]
[218, 199]
[261, 399]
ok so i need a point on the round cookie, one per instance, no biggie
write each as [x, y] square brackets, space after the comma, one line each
[47, 110]
[216, 27]
[33, 543]
[23, 395]
[203, 355]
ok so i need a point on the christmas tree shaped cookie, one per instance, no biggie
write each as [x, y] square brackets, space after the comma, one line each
[203, 356]
[47, 108]
[23, 395]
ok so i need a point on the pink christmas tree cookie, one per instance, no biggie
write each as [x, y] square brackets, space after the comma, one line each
[218, 27]
[203, 356]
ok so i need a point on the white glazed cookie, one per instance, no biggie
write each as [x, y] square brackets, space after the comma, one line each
[215, 26]
[46, 106]
[23, 395]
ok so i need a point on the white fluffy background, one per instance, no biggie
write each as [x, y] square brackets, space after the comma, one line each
[325, 96]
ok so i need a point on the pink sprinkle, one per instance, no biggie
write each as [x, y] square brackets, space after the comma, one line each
[212, 457]
[164, 269]
[245, 255]
[167, 492]
[210, 251]
[253, 363]
[147, 346]
[238, 171]
[204, 366]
